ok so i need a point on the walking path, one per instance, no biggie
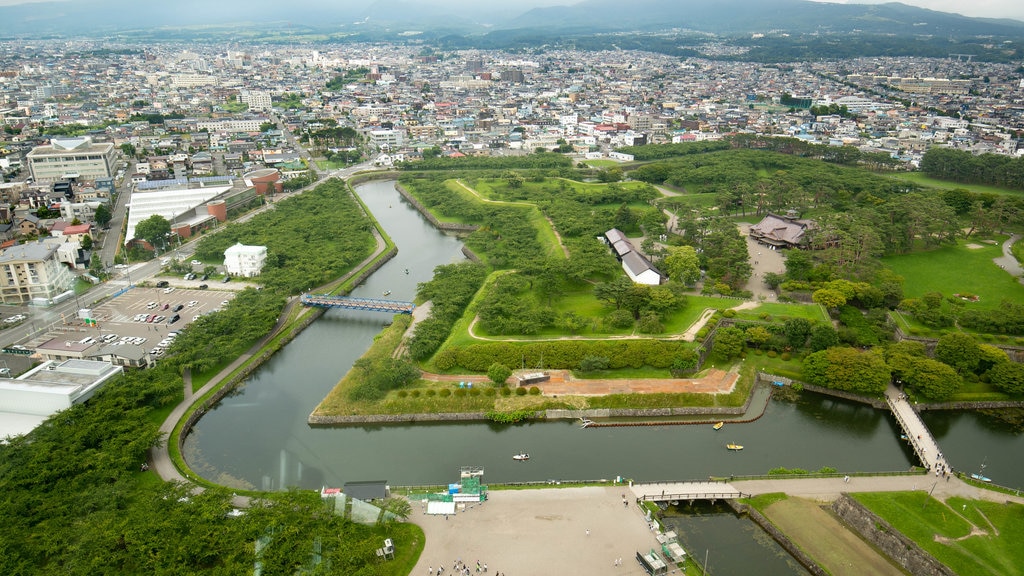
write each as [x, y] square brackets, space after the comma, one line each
[562, 382]
[1008, 262]
[828, 489]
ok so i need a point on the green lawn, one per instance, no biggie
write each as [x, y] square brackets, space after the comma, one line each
[601, 163]
[921, 179]
[957, 269]
[943, 529]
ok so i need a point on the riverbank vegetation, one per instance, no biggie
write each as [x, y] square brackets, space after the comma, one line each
[971, 537]
[76, 501]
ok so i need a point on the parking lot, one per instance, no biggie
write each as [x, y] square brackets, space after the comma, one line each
[143, 316]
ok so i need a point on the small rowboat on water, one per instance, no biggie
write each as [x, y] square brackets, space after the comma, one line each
[718, 425]
[734, 446]
[981, 478]
[522, 456]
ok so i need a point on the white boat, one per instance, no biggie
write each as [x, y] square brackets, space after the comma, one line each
[981, 478]
[584, 422]
[522, 456]
[387, 292]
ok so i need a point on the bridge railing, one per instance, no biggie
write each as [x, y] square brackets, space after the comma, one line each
[694, 496]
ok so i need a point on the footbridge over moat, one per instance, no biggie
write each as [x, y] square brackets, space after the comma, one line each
[688, 491]
[349, 303]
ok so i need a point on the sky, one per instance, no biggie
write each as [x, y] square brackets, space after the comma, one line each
[978, 8]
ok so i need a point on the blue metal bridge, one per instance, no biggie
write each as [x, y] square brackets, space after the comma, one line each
[370, 304]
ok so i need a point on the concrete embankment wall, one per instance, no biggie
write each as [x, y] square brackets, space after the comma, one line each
[777, 535]
[891, 542]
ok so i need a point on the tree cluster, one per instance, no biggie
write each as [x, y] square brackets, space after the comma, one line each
[311, 239]
[962, 166]
[450, 291]
[567, 354]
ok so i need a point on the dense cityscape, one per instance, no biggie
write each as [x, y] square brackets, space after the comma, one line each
[568, 243]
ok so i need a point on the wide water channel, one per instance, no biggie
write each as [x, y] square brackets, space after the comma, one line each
[257, 437]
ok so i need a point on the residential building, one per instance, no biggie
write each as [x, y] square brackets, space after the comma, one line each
[31, 273]
[246, 261]
[71, 157]
[257, 100]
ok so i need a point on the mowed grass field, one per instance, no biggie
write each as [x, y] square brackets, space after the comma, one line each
[921, 179]
[972, 537]
[835, 548]
[957, 269]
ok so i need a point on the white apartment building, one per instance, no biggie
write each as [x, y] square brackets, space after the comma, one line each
[243, 125]
[32, 271]
[387, 139]
[257, 100]
[245, 261]
[79, 157]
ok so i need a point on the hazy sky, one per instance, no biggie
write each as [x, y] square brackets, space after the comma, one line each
[984, 8]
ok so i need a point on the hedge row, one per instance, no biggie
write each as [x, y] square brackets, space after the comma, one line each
[564, 354]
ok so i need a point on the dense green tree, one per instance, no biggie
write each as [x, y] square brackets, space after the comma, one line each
[931, 378]
[757, 336]
[797, 330]
[1008, 377]
[828, 298]
[499, 373]
[798, 264]
[848, 369]
[683, 265]
[728, 342]
[153, 230]
[959, 350]
[823, 336]
[102, 215]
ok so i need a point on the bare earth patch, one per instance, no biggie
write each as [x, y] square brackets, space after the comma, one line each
[974, 246]
[836, 548]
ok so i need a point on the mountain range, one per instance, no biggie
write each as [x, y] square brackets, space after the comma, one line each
[463, 17]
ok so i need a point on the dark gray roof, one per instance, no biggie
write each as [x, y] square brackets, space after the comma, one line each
[637, 264]
[366, 490]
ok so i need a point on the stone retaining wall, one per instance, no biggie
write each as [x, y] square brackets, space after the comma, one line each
[777, 535]
[337, 420]
[891, 542]
[446, 226]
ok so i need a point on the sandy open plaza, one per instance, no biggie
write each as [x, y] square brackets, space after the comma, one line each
[539, 533]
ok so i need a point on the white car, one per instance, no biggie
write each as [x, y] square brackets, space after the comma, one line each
[165, 261]
[193, 302]
[169, 289]
[197, 263]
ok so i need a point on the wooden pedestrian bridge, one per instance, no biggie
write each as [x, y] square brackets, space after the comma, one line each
[349, 303]
[685, 491]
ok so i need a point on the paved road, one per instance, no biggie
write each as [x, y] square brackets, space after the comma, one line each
[1008, 262]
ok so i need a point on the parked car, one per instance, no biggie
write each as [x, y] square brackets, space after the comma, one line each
[173, 319]
[169, 289]
[166, 306]
[178, 307]
[205, 277]
[204, 286]
[197, 263]
[163, 284]
[226, 279]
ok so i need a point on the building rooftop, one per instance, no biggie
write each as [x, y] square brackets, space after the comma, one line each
[34, 251]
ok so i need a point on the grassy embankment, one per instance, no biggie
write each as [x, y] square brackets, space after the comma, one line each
[972, 537]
